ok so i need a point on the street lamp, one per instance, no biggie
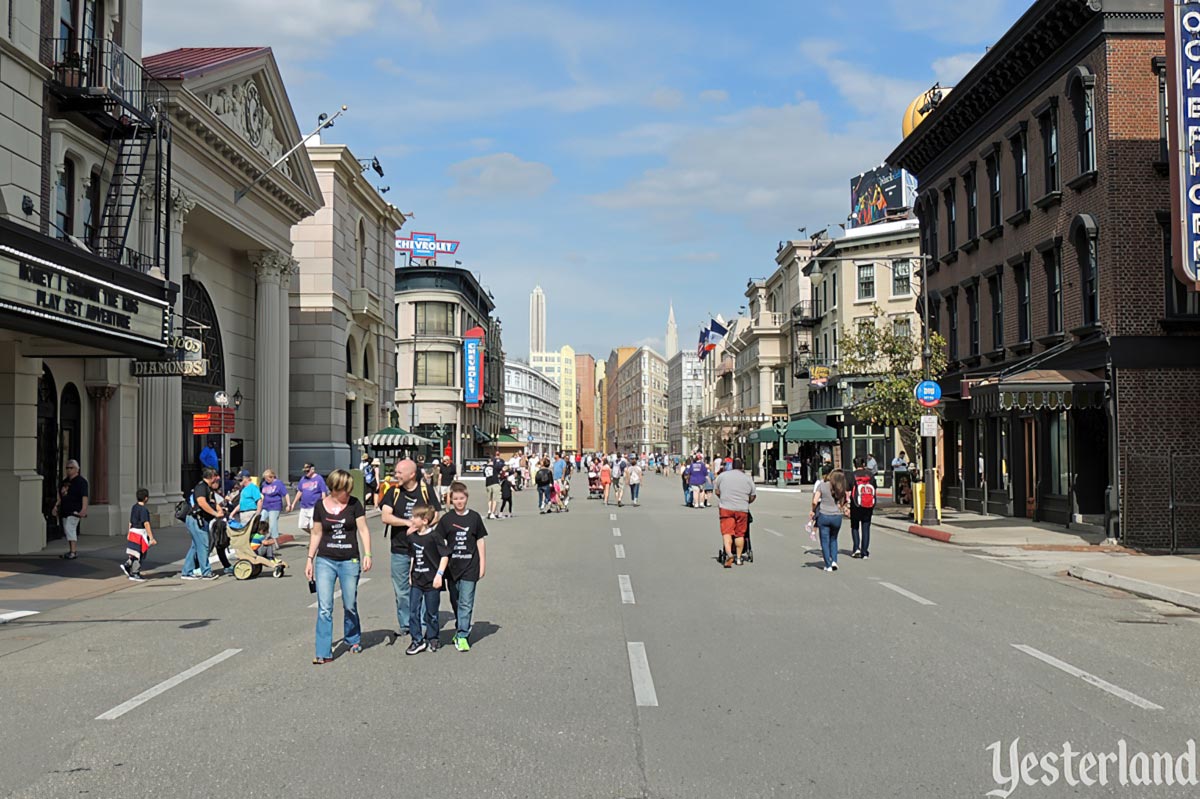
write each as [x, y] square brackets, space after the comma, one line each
[928, 444]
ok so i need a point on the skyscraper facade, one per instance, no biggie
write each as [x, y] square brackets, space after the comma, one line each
[672, 340]
[537, 320]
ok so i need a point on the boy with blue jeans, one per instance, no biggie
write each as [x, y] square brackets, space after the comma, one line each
[430, 555]
[464, 532]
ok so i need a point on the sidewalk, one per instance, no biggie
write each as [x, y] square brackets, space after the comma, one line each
[1081, 554]
[44, 580]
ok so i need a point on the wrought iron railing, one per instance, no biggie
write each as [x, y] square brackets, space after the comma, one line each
[101, 68]
[805, 311]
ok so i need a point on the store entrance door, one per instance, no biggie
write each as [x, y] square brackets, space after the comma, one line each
[47, 449]
[1031, 467]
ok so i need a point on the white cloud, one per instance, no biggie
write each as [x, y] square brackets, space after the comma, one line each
[651, 137]
[653, 342]
[876, 96]
[951, 69]
[665, 99]
[500, 175]
[714, 95]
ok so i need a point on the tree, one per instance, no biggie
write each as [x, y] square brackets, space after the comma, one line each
[890, 356]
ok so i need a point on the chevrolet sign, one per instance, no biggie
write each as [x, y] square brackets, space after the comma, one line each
[425, 245]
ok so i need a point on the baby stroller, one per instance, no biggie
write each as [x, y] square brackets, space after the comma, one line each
[747, 553]
[595, 490]
[249, 564]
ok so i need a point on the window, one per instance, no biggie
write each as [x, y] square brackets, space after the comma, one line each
[1089, 277]
[901, 278]
[996, 292]
[366, 367]
[935, 316]
[1021, 278]
[68, 14]
[1083, 98]
[951, 219]
[824, 296]
[91, 210]
[902, 327]
[64, 201]
[435, 368]
[435, 319]
[1180, 301]
[1054, 312]
[1049, 125]
[969, 184]
[973, 319]
[952, 313]
[1058, 473]
[780, 392]
[994, 200]
[349, 356]
[1160, 66]
[834, 352]
[1020, 153]
[834, 290]
[866, 281]
[360, 254]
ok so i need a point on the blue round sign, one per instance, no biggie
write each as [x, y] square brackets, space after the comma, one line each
[928, 393]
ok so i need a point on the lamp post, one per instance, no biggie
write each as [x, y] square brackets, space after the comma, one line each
[928, 444]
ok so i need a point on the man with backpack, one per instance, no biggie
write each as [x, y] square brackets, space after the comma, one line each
[862, 507]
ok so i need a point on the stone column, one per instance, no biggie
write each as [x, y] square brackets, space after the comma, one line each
[20, 483]
[98, 479]
[283, 352]
[160, 399]
[270, 392]
[766, 389]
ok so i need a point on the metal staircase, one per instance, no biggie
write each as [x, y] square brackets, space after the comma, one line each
[121, 200]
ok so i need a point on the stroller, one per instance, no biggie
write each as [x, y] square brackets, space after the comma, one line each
[747, 553]
[249, 564]
[595, 490]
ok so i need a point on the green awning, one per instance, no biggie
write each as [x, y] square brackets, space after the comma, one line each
[505, 438]
[797, 430]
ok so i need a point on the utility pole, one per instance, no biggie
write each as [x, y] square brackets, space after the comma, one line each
[928, 444]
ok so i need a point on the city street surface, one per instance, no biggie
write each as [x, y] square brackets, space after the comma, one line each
[611, 657]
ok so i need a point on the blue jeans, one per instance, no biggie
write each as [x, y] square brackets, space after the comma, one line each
[462, 598]
[346, 572]
[687, 496]
[633, 491]
[861, 518]
[196, 559]
[401, 566]
[830, 524]
[543, 496]
[271, 517]
[430, 599]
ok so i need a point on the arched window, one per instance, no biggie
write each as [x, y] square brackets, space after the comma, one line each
[360, 255]
[1085, 234]
[1081, 90]
[91, 210]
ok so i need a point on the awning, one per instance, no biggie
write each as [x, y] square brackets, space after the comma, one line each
[393, 438]
[797, 430]
[482, 436]
[505, 438]
[1039, 389]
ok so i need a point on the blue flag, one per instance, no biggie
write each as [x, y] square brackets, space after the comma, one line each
[702, 348]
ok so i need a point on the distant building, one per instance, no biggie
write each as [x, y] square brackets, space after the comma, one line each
[616, 359]
[537, 321]
[685, 390]
[642, 402]
[585, 388]
[672, 339]
[531, 408]
[560, 367]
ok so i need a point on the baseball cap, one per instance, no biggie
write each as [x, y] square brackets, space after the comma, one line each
[243, 473]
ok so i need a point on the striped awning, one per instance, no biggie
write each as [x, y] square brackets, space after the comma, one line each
[394, 438]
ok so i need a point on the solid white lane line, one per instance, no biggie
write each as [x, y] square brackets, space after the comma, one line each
[13, 615]
[612, 517]
[643, 683]
[617, 532]
[338, 593]
[620, 550]
[164, 686]
[772, 532]
[626, 589]
[1092, 679]
[903, 592]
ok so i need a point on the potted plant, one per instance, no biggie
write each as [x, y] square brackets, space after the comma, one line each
[70, 70]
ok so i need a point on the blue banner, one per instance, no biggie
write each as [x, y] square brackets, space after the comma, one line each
[472, 372]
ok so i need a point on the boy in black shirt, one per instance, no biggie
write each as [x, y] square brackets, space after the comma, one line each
[464, 532]
[139, 539]
[430, 554]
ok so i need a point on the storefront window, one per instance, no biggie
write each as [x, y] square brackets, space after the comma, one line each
[1058, 472]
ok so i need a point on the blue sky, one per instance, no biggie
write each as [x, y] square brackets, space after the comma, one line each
[621, 154]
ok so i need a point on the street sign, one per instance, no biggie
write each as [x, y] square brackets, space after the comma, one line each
[929, 427]
[928, 393]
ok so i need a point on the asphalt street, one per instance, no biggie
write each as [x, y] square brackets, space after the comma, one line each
[612, 657]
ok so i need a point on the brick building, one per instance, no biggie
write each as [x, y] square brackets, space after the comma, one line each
[1074, 375]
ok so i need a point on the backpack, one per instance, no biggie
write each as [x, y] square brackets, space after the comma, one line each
[544, 477]
[183, 509]
[864, 491]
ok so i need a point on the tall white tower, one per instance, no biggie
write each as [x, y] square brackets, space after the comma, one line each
[672, 342]
[537, 320]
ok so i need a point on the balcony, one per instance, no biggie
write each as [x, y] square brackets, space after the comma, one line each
[365, 306]
[767, 319]
[805, 313]
[97, 78]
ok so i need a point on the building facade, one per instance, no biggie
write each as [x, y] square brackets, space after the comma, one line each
[721, 413]
[685, 389]
[531, 408]
[642, 403]
[612, 421]
[559, 366]
[537, 321]
[585, 387]
[1043, 201]
[437, 309]
[343, 365]
[671, 342]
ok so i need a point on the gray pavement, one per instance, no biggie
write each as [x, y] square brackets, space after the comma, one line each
[773, 679]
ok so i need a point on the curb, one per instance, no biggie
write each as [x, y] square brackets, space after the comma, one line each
[929, 532]
[1175, 596]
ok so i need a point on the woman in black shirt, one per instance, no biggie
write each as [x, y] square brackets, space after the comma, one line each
[339, 534]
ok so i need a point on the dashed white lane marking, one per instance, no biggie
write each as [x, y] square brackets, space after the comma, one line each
[13, 615]
[612, 517]
[904, 592]
[165, 685]
[774, 533]
[643, 682]
[1092, 679]
[617, 532]
[626, 589]
[338, 593]
[620, 550]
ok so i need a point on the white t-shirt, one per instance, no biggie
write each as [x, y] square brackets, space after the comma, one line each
[635, 474]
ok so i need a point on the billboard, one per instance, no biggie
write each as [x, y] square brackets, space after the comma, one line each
[425, 245]
[883, 190]
[1183, 67]
[473, 367]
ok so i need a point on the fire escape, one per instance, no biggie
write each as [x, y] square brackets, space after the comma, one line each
[96, 80]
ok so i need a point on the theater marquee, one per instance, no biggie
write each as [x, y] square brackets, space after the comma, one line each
[1183, 68]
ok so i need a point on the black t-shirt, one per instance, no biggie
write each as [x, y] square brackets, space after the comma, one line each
[506, 488]
[462, 534]
[339, 531]
[401, 502]
[492, 474]
[448, 472]
[139, 515]
[428, 549]
[202, 489]
[72, 501]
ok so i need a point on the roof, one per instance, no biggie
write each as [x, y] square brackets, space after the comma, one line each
[191, 62]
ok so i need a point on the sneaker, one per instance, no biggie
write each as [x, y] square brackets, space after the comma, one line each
[865, 556]
[125, 568]
[189, 577]
[461, 644]
[433, 644]
[728, 562]
[856, 554]
[828, 569]
[415, 648]
[68, 556]
[740, 561]
[137, 578]
[212, 576]
[834, 567]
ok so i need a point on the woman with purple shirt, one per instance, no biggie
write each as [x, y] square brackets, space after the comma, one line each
[275, 496]
[309, 491]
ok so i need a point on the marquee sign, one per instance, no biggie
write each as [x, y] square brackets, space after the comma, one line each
[473, 367]
[425, 245]
[1183, 69]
